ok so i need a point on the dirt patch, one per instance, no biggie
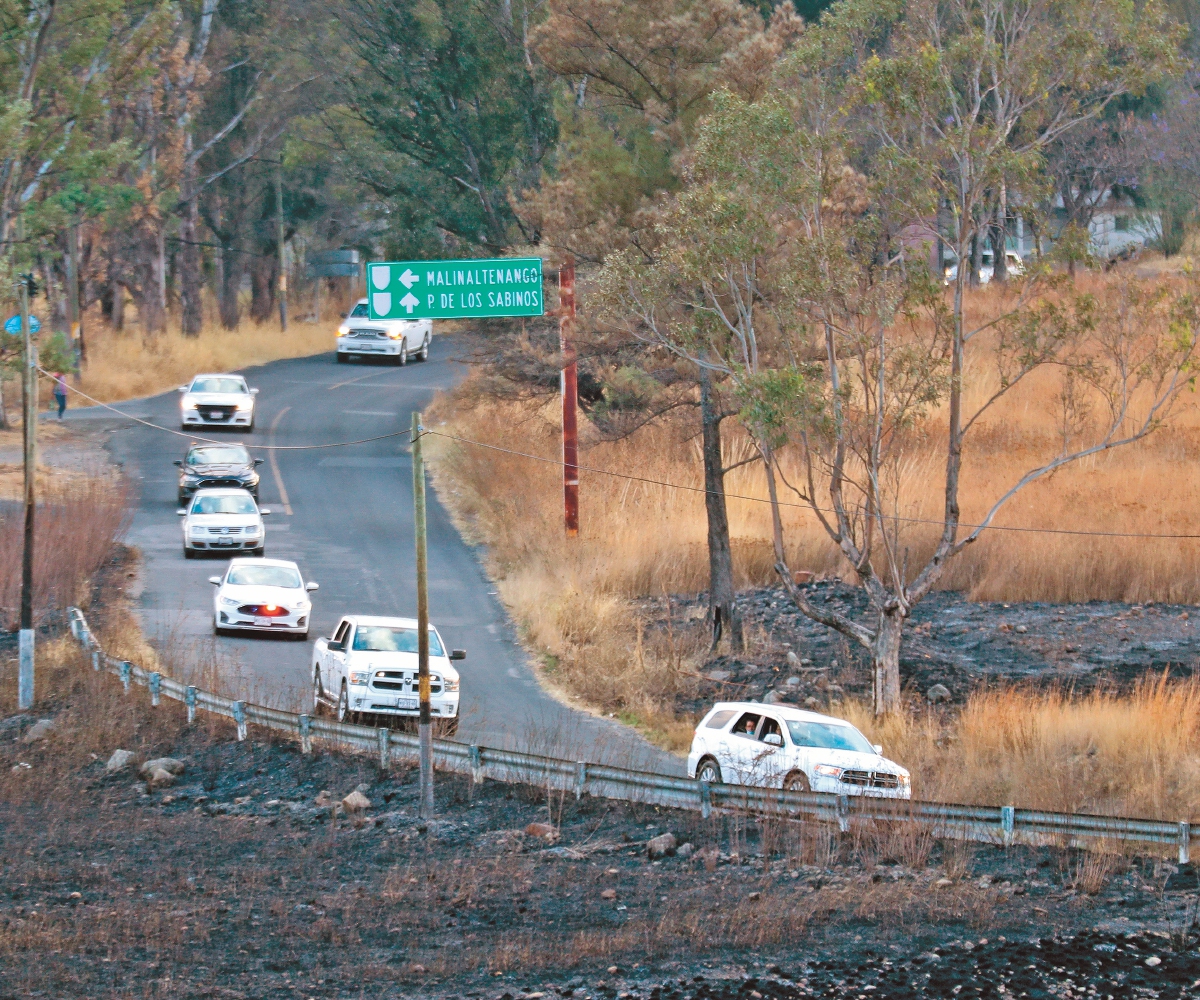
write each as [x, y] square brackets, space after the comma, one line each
[244, 877]
[951, 641]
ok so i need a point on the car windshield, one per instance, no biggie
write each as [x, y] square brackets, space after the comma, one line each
[218, 385]
[264, 576]
[829, 737]
[230, 503]
[359, 311]
[387, 639]
[218, 456]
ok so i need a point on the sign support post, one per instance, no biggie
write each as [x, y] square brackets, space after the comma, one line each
[570, 396]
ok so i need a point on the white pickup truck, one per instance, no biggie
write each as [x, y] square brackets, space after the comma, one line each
[398, 340]
[369, 667]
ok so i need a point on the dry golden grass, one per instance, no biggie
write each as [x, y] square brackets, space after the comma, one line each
[130, 364]
[1136, 754]
[572, 597]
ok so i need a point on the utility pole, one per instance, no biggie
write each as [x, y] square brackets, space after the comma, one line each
[74, 319]
[279, 220]
[425, 727]
[29, 433]
[570, 395]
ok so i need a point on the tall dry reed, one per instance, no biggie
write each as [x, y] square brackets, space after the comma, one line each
[75, 525]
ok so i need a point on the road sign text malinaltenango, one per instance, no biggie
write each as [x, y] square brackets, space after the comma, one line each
[456, 289]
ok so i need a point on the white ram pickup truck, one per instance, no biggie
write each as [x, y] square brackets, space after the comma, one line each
[369, 667]
[398, 340]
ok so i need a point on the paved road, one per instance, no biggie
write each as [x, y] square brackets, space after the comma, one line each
[345, 516]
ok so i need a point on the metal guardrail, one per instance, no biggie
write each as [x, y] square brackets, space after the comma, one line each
[986, 824]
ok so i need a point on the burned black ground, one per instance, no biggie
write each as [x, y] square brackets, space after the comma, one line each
[243, 880]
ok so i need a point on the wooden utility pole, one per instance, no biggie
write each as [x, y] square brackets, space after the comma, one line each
[279, 220]
[570, 395]
[425, 726]
[29, 435]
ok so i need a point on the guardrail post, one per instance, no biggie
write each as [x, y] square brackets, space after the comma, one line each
[305, 734]
[1007, 818]
[580, 778]
[155, 688]
[189, 699]
[126, 673]
[476, 764]
[843, 813]
[96, 660]
[74, 627]
[705, 800]
[1185, 843]
[239, 716]
[384, 736]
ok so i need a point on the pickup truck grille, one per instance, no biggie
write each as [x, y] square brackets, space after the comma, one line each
[870, 779]
[401, 680]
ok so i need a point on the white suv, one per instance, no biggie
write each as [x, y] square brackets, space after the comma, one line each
[217, 401]
[745, 743]
[398, 340]
[369, 667]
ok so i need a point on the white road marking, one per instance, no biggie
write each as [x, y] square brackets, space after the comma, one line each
[283, 496]
[371, 413]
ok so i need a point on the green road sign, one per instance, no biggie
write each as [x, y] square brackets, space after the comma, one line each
[456, 289]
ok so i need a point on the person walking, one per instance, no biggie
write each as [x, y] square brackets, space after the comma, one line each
[60, 393]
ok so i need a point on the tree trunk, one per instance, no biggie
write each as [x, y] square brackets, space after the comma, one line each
[1000, 239]
[263, 271]
[885, 662]
[190, 277]
[229, 278]
[117, 313]
[722, 607]
[976, 257]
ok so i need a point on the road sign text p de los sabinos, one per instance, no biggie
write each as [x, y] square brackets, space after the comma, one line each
[456, 289]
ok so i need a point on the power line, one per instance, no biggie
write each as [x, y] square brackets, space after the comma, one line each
[617, 475]
[804, 506]
[196, 437]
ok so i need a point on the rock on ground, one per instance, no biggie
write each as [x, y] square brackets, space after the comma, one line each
[38, 731]
[356, 802]
[168, 764]
[661, 846]
[119, 760]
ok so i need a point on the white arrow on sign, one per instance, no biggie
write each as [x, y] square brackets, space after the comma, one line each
[408, 279]
[409, 301]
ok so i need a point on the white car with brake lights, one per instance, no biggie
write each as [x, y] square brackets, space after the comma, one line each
[398, 340]
[369, 666]
[217, 401]
[262, 595]
[773, 746]
[225, 520]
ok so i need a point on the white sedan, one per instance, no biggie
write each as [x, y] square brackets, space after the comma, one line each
[745, 743]
[217, 401]
[223, 520]
[262, 595]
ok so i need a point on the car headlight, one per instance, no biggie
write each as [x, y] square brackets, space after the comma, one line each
[358, 676]
[252, 529]
[395, 334]
[197, 529]
[230, 601]
[905, 781]
[191, 477]
[188, 404]
[245, 404]
[828, 770]
[450, 685]
[343, 330]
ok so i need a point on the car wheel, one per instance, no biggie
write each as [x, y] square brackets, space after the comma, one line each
[182, 498]
[708, 770]
[343, 708]
[318, 695]
[250, 426]
[341, 358]
[217, 630]
[260, 551]
[402, 357]
[189, 553]
[425, 350]
[300, 636]
[797, 781]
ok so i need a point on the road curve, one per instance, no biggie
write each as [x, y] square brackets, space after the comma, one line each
[345, 516]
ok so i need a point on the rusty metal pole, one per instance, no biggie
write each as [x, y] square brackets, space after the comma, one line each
[570, 395]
